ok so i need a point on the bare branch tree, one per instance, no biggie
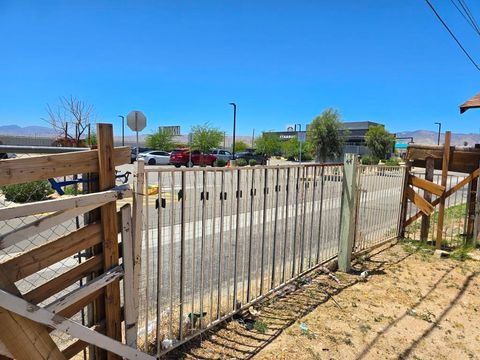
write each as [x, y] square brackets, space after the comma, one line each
[70, 118]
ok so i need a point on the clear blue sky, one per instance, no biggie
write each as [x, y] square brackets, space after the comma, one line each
[282, 62]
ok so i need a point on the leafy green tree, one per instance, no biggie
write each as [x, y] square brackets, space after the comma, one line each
[291, 148]
[160, 140]
[205, 138]
[379, 141]
[268, 144]
[240, 146]
[92, 139]
[326, 135]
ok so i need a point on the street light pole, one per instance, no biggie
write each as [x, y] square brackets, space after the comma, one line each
[298, 137]
[234, 126]
[439, 131]
[253, 138]
[123, 129]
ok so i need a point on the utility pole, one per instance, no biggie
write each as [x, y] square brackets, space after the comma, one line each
[299, 140]
[224, 135]
[253, 138]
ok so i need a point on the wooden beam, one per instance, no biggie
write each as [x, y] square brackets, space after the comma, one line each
[73, 349]
[63, 281]
[404, 201]
[48, 254]
[23, 338]
[64, 203]
[16, 171]
[448, 193]
[130, 289]
[37, 226]
[82, 303]
[427, 185]
[441, 208]
[37, 314]
[429, 172]
[89, 288]
[108, 216]
[420, 202]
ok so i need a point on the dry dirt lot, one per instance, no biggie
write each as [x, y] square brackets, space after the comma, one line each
[410, 306]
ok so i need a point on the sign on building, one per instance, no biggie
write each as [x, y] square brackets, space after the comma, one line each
[174, 130]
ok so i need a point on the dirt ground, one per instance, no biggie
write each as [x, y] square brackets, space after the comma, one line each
[410, 306]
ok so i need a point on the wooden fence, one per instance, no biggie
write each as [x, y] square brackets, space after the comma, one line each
[26, 327]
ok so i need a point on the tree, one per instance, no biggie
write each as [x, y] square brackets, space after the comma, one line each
[160, 140]
[205, 138]
[326, 135]
[71, 119]
[379, 141]
[268, 144]
[291, 148]
[240, 146]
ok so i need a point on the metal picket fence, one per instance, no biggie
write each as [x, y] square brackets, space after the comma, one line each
[217, 239]
[379, 197]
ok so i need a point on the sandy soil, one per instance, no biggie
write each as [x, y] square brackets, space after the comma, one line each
[411, 306]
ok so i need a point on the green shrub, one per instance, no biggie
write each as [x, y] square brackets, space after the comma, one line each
[252, 162]
[392, 162]
[369, 160]
[220, 163]
[307, 157]
[27, 192]
[241, 162]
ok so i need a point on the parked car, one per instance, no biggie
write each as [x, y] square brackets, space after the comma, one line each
[249, 155]
[133, 152]
[222, 154]
[155, 157]
[180, 157]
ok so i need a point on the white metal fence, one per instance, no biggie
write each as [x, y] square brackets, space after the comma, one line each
[217, 239]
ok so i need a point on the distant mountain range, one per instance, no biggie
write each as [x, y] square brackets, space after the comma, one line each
[419, 136]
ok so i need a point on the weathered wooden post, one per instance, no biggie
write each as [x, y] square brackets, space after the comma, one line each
[429, 170]
[347, 216]
[441, 208]
[108, 215]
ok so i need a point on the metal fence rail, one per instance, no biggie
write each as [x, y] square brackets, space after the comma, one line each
[220, 239]
[379, 200]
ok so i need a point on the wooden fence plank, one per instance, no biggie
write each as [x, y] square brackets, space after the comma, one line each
[85, 290]
[64, 203]
[426, 185]
[420, 202]
[53, 252]
[73, 349]
[441, 207]
[129, 286]
[63, 281]
[15, 171]
[429, 172]
[108, 216]
[24, 339]
[37, 314]
[35, 227]
[448, 193]
[137, 221]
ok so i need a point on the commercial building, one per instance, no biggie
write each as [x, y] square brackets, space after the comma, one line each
[354, 141]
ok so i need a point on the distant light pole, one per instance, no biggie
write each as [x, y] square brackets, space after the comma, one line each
[234, 126]
[253, 138]
[439, 131]
[123, 129]
[298, 137]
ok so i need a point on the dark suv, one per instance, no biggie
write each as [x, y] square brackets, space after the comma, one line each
[249, 155]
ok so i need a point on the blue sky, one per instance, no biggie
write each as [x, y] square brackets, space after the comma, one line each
[282, 62]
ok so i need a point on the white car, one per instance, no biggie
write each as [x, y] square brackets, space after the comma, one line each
[155, 157]
[222, 154]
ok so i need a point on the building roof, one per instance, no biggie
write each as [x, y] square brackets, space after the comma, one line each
[471, 103]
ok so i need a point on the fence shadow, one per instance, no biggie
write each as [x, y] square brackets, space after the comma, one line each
[233, 340]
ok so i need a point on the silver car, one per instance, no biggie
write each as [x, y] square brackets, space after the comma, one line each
[222, 154]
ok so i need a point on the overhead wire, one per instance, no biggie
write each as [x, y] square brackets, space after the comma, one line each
[452, 34]
[467, 19]
[465, 7]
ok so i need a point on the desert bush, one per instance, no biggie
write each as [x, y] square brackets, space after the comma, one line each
[252, 162]
[220, 163]
[241, 162]
[27, 192]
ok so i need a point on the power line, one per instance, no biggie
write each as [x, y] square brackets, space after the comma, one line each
[452, 34]
[465, 7]
[467, 19]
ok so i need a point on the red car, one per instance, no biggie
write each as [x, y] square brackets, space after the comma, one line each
[180, 157]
